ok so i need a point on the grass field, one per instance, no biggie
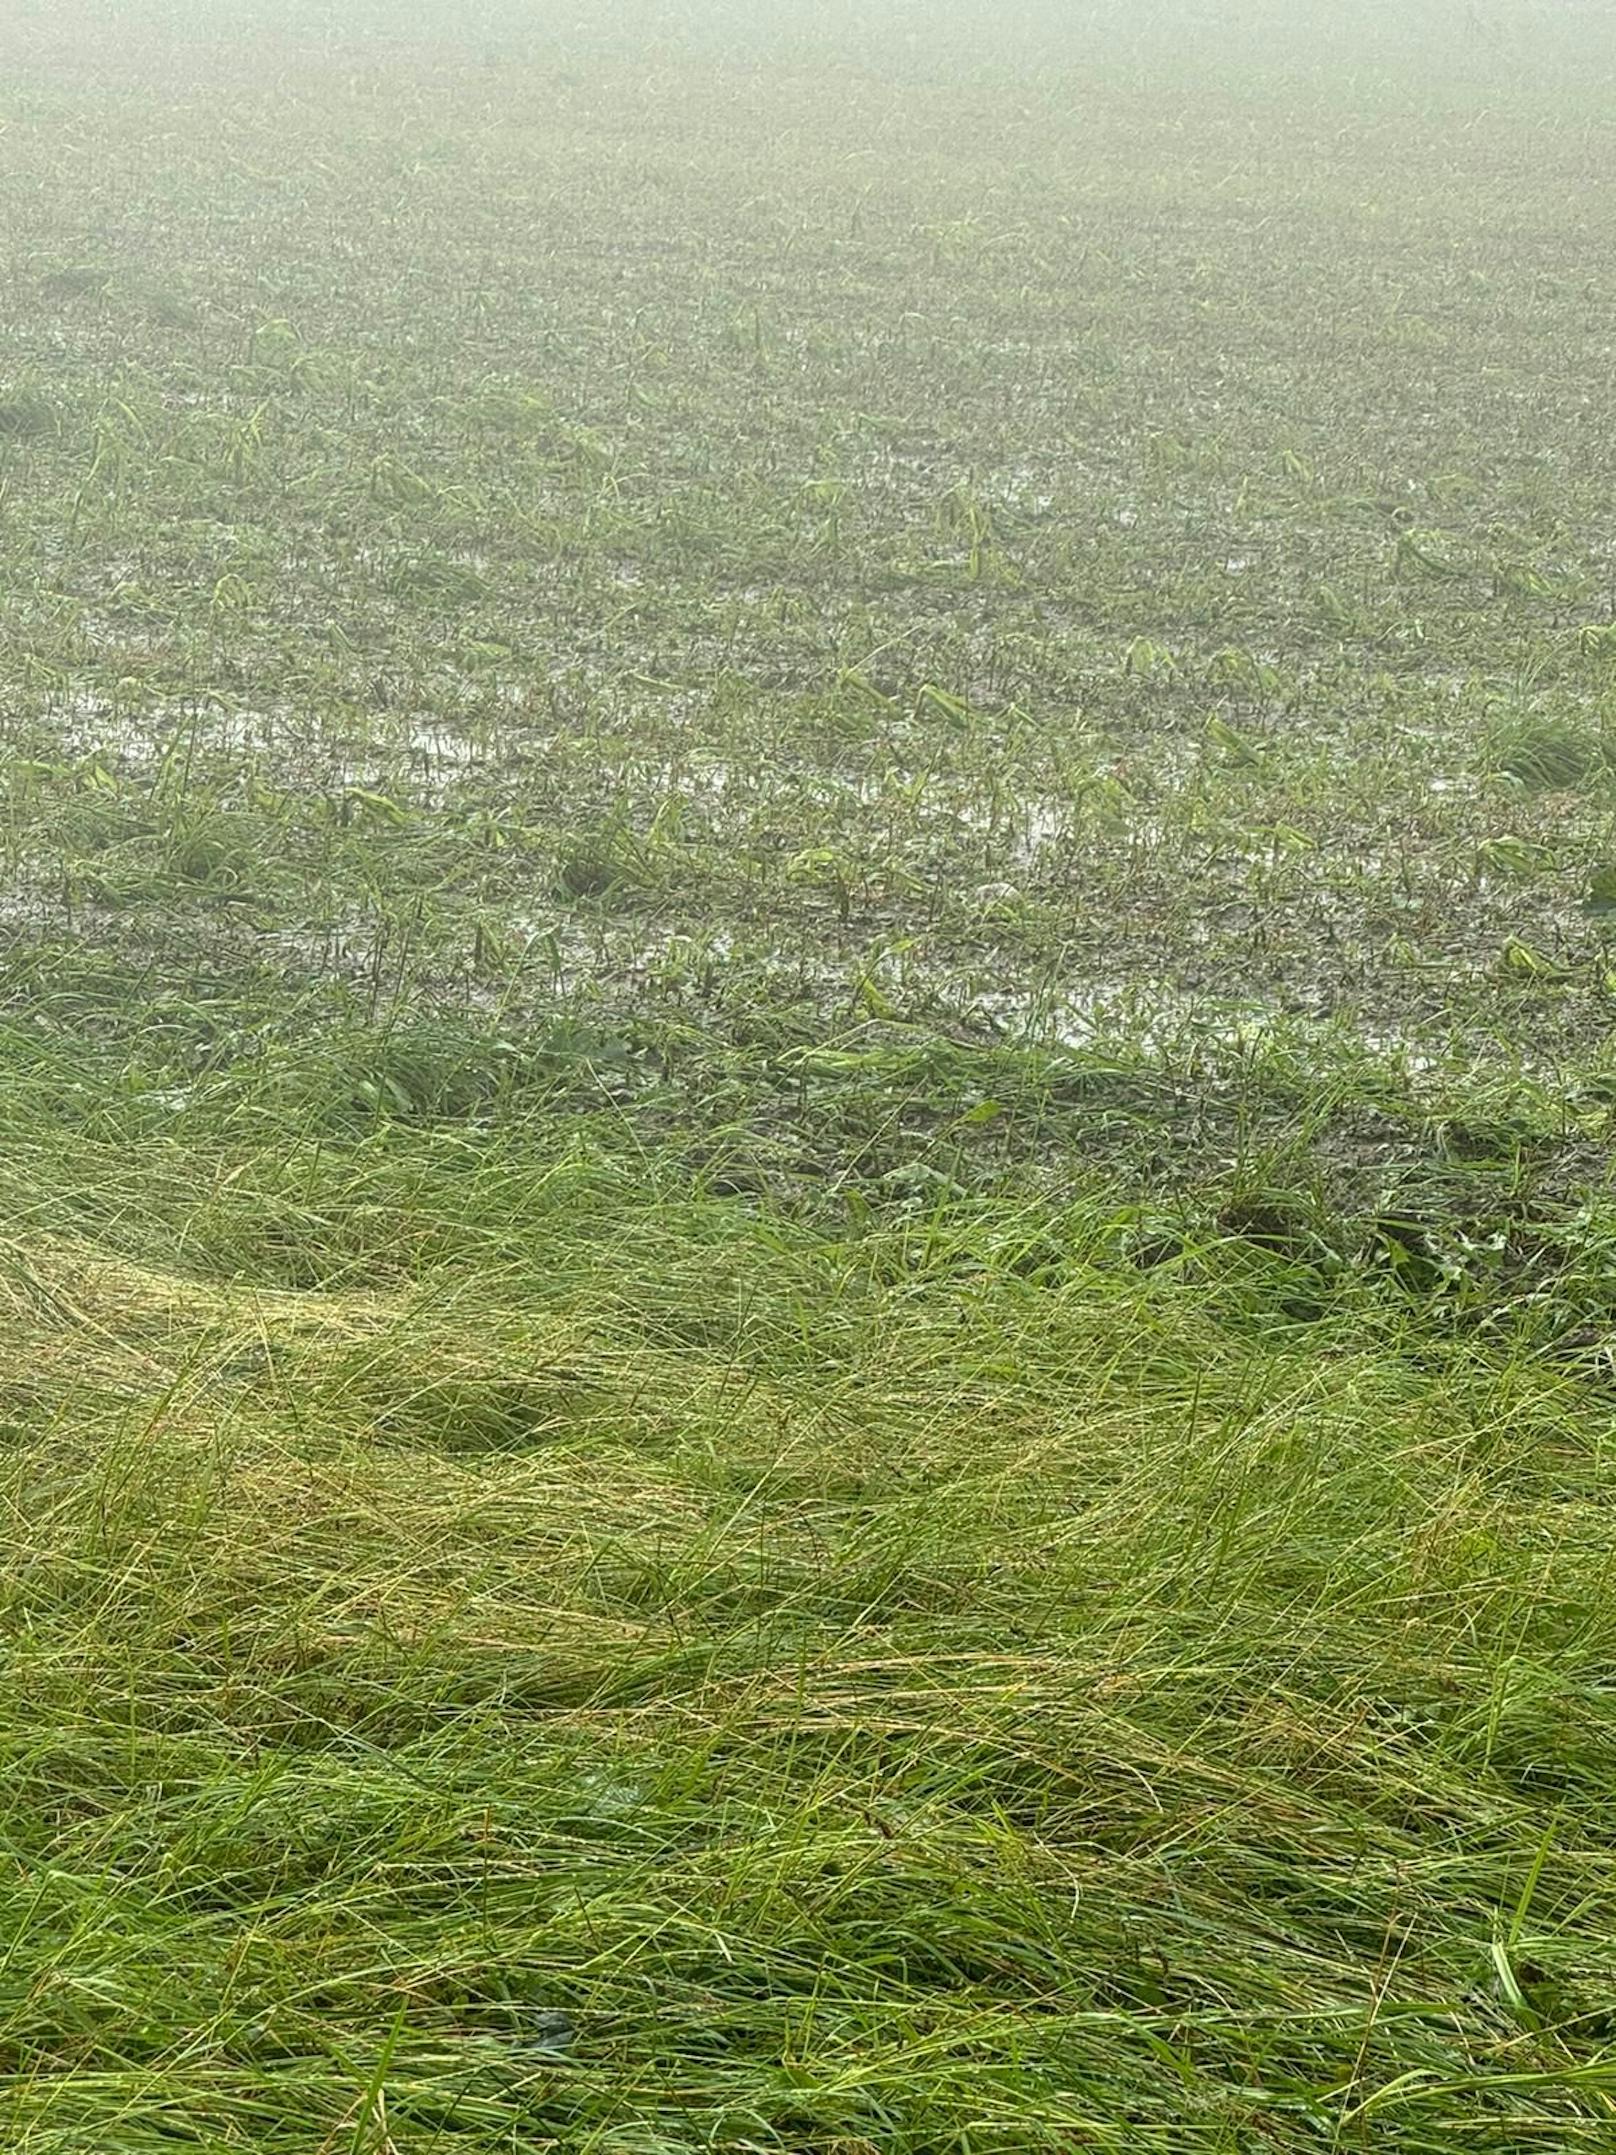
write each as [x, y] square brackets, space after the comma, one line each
[807, 1285]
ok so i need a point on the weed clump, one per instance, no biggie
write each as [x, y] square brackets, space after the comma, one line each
[27, 418]
[1547, 750]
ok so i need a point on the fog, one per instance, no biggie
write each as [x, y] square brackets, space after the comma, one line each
[1441, 45]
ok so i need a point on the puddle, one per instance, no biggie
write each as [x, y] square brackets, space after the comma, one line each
[142, 739]
[442, 745]
[351, 748]
[1163, 1018]
[1022, 828]
[1021, 487]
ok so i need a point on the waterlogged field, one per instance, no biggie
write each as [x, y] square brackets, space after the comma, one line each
[807, 945]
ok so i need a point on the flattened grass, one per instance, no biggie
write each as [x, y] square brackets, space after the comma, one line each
[626, 1674]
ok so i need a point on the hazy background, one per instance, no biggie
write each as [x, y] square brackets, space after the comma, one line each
[1447, 43]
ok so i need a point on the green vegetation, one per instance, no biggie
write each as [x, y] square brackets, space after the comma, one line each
[807, 1294]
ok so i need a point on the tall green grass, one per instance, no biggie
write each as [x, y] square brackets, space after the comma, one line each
[599, 1667]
